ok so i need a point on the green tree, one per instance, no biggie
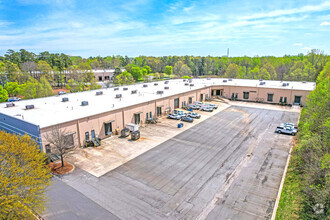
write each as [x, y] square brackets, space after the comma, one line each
[168, 70]
[232, 71]
[263, 74]
[12, 88]
[3, 94]
[136, 72]
[185, 70]
[24, 177]
[45, 70]
[124, 78]
[147, 68]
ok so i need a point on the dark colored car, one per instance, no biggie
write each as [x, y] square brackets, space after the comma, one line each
[187, 119]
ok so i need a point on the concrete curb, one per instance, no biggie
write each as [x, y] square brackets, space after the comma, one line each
[282, 181]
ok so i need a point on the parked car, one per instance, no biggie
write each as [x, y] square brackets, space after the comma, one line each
[211, 105]
[179, 112]
[174, 116]
[13, 99]
[286, 130]
[61, 93]
[206, 109]
[187, 119]
[290, 125]
[193, 115]
[194, 107]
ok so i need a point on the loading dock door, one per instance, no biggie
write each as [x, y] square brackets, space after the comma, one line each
[201, 97]
[176, 103]
[297, 99]
[137, 118]
[159, 111]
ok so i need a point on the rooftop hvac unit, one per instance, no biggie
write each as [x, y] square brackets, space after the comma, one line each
[186, 84]
[10, 105]
[133, 91]
[230, 79]
[160, 92]
[166, 82]
[261, 80]
[84, 103]
[262, 83]
[285, 84]
[304, 82]
[155, 84]
[65, 99]
[115, 89]
[99, 93]
[224, 80]
[118, 96]
[29, 107]
[125, 88]
[191, 84]
[166, 87]
[190, 80]
[184, 80]
[145, 85]
[208, 78]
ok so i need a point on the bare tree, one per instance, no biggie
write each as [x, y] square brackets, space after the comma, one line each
[29, 67]
[59, 141]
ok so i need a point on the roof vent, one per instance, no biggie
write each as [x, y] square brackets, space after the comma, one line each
[155, 84]
[99, 93]
[118, 96]
[11, 104]
[166, 82]
[133, 91]
[145, 85]
[208, 78]
[186, 84]
[184, 80]
[224, 80]
[84, 103]
[29, 107]
[65, 99]
[285, 84]
[166, 87]
[190, 80]
[191, 84]
[261, 80]
[230, 79]
[125, 88]
[160, 92]
[304, 82]
[115, 89]
[262, 83]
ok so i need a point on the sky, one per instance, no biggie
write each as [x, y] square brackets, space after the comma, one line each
[159, 28]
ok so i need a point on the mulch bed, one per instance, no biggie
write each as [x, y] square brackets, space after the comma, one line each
[57, 169]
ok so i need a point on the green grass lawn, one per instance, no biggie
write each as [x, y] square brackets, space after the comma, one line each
[291, 196]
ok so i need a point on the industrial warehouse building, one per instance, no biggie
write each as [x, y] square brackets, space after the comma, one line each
[86, 115]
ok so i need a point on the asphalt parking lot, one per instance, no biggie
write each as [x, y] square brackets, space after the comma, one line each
[226, 167]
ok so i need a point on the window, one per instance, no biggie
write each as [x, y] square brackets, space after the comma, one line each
[93, 134]
[87, 136]
[270, 97]
[285, 99]
[147, 116]
[245, 95]
[108, 128]
[190, 100]
[201, 97]
[281, 99]
[150, 115]
[47, 148]
[100, 78]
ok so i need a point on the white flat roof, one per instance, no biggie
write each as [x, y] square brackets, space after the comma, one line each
[51, 110]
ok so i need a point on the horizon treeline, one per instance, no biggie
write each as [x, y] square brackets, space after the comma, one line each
[19, 65]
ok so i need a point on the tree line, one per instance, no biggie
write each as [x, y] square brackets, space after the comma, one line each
[75, 72]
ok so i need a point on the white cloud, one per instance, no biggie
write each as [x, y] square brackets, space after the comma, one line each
[297, 44]
[325, 23]
[308, 8]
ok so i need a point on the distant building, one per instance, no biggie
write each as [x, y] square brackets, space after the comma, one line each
[102, 75]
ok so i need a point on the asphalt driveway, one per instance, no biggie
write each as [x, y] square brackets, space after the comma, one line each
[227, 167]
